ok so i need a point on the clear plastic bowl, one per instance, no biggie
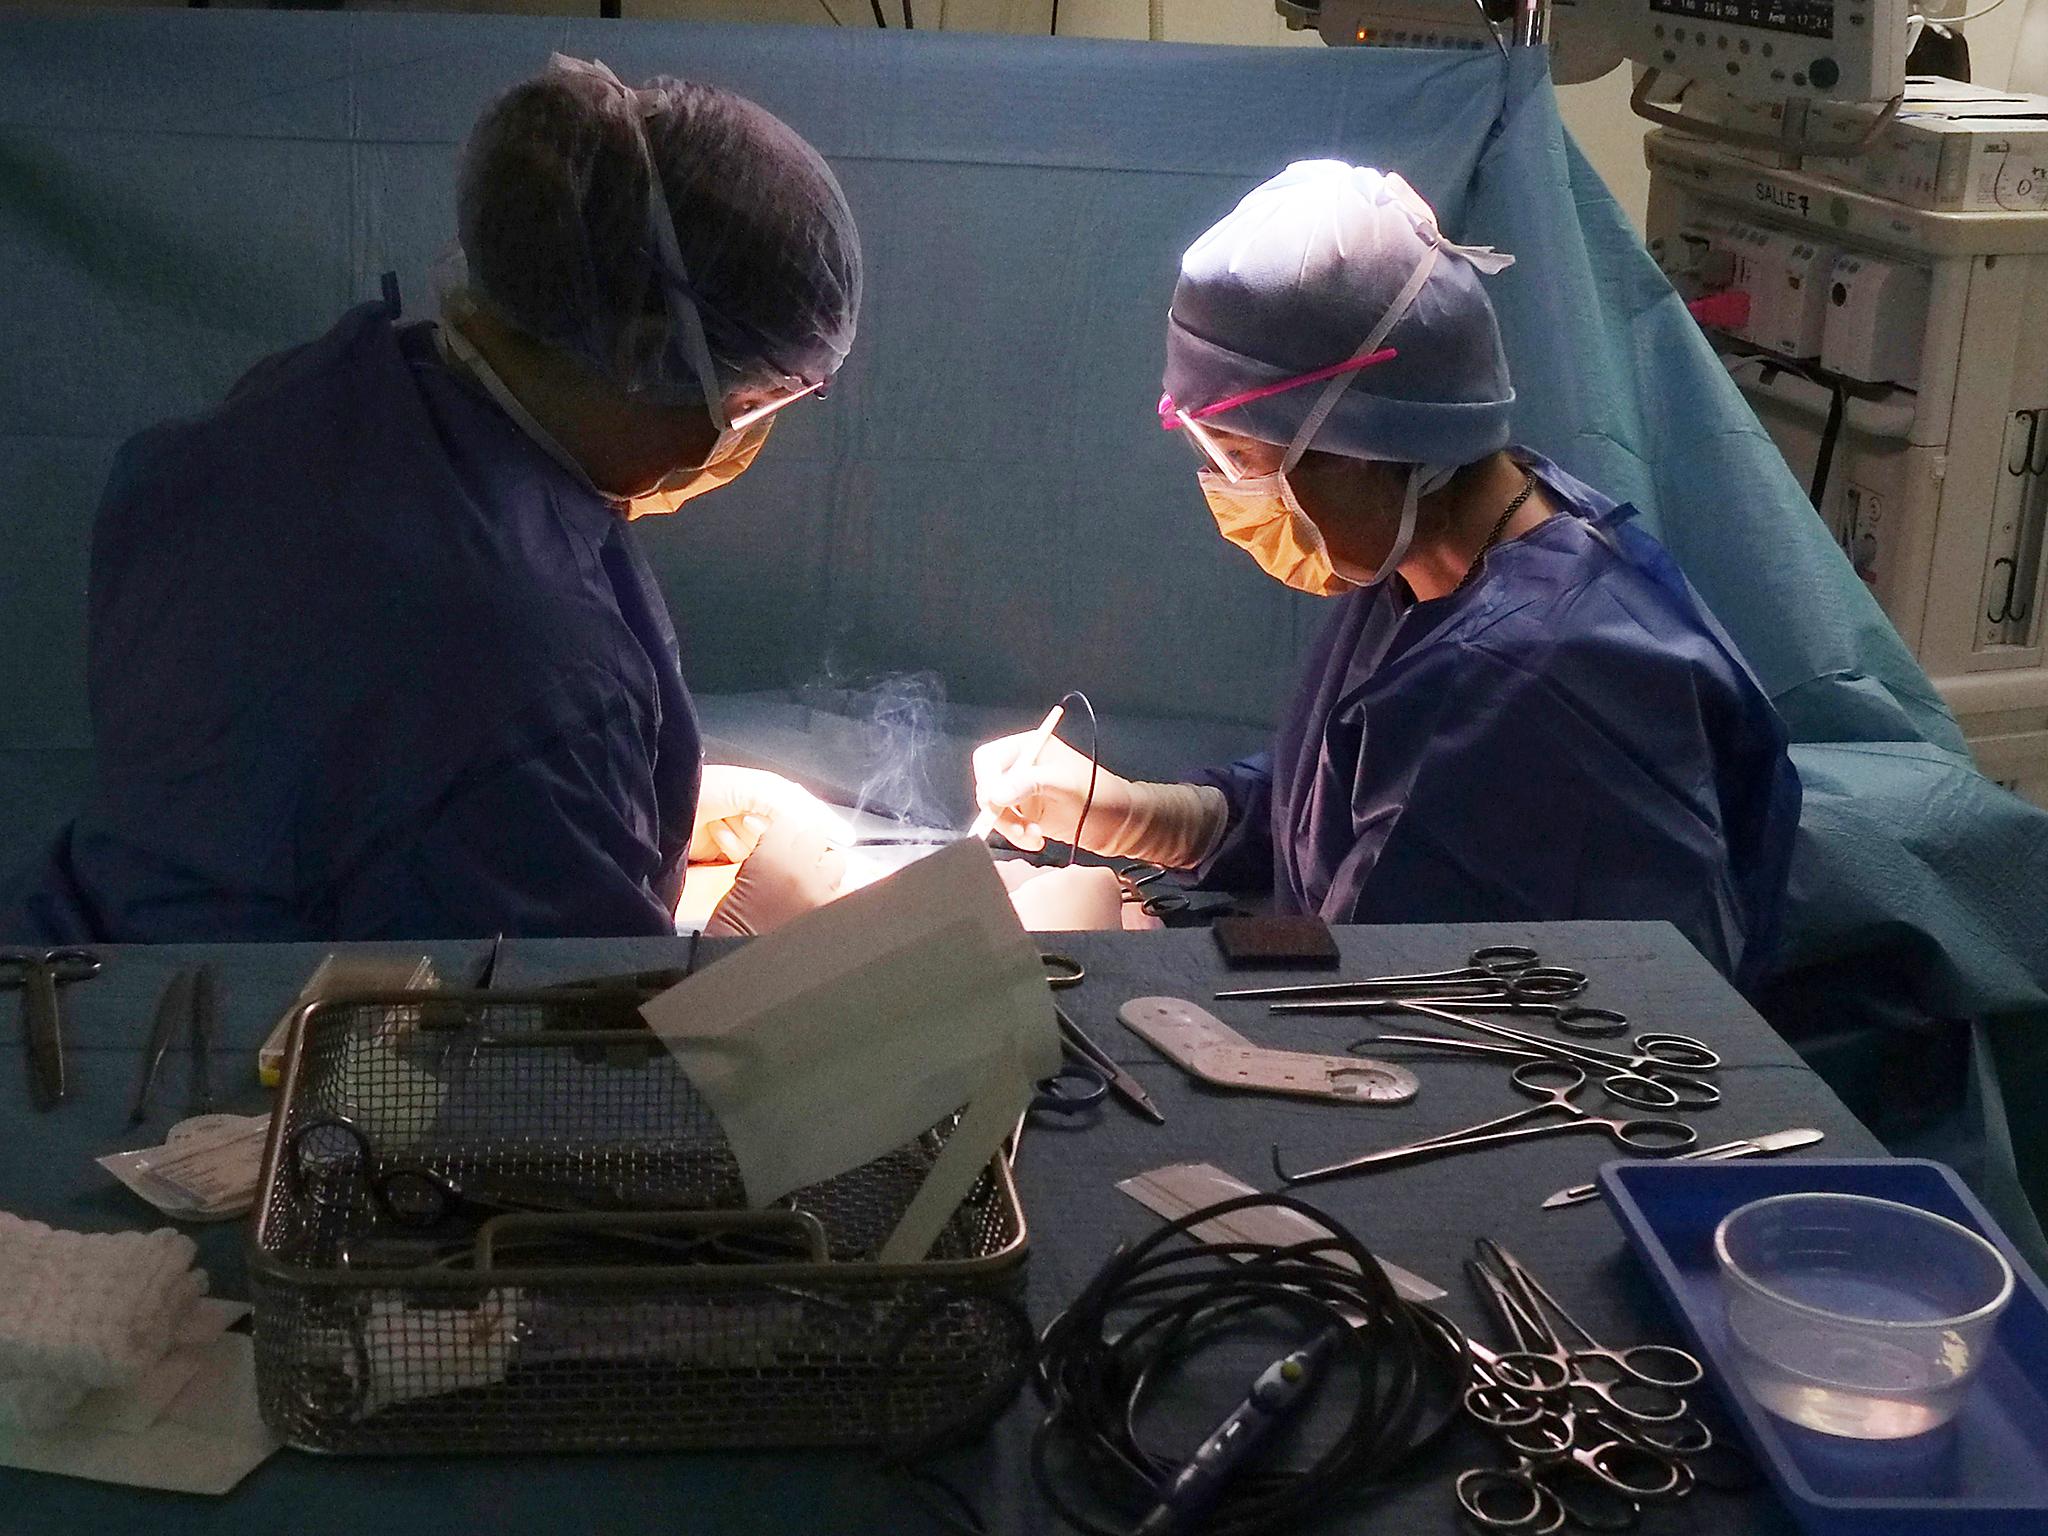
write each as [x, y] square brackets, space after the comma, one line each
[1858, 1317]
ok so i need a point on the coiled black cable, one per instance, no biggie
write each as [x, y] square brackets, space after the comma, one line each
[1157, 1304]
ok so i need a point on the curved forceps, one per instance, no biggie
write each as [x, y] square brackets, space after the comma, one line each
[1629, 1088]
[1577, 1019]
[1663, 1367]
[1496, 972]
[1501, 1407]
[1534, 1506]
[1553, 1084]
[1541, 1366]
[1669, 1060]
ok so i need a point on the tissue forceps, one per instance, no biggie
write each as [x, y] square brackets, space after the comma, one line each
[41, 974]
[1553, 1084]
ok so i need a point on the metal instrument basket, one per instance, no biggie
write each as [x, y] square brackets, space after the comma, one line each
[594, 1282]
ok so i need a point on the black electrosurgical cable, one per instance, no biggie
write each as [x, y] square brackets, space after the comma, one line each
[1076, 696]
[1160, 1302]
[1830, 435]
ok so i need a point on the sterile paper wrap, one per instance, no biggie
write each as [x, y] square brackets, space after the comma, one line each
[846, 1034]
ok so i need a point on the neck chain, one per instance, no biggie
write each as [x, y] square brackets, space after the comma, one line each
[1521, 497]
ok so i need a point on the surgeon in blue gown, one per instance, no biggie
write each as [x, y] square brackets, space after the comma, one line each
[1518, 709]
[374, 652]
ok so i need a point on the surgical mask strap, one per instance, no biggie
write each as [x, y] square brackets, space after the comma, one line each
[675, 287]
[1411, 509]
[1334, 390]
[661, 228]
[466, 351]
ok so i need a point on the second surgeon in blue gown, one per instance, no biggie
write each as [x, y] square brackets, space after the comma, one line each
[1520, 709]
[374, 652]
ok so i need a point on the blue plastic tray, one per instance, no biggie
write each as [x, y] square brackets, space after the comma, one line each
[1984, 1473]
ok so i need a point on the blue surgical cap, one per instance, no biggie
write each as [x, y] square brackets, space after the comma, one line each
[561, 240]
[1297, 278]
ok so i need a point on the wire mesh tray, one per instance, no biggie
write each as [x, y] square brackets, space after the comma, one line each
[498, 1221]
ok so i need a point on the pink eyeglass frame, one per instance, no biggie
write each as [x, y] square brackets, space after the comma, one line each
[1173, 418]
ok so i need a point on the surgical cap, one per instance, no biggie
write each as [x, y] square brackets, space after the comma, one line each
[560, 240]
[1297, 278]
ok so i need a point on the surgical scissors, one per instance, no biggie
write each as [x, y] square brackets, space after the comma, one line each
[1570, 1018]
[1553, 1084]
[1495, 973]
[1654, 1056]
[41, 974]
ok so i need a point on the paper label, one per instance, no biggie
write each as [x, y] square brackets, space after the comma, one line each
[206, 1170]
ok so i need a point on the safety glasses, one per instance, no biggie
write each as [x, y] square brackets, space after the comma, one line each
[761, 413]
[1231, 464]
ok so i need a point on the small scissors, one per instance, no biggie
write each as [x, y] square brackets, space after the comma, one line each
[1138, 874]
[1553, 1084]
[41, 974]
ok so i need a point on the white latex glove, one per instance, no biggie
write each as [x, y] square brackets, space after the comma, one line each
[1174, 825]
[1068, 900]
[791, 871]
[736, 805]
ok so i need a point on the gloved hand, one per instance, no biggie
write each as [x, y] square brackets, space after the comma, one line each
[1174, 825]
[736, 805]
[1068, 899]
[791, 871]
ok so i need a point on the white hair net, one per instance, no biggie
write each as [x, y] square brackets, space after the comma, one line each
[759, 281]
[1298, 277]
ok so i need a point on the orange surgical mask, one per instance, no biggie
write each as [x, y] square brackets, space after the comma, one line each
[730, 458]
[1261, 517]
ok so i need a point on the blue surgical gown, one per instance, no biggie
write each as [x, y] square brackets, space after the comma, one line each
[1570, 736]
[366, 663]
